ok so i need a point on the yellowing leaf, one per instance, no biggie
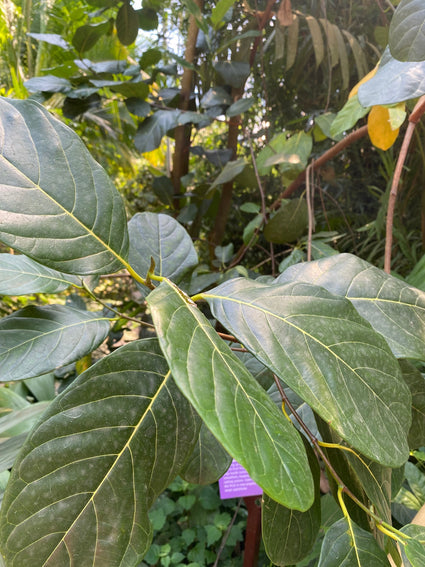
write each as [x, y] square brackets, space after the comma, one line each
[364, 80]
[397, 114]
[381, 134]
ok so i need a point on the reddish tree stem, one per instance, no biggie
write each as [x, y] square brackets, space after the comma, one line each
[414, 118]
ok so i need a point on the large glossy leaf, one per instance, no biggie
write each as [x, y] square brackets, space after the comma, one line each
[36, 340]
[162, 238]
[208, 462]
[229, 400]
[331, 357]
[407, 31]
[350, 547]
[57, 205]
[81, 488]
[416, 382]
[289, 535]
[20, 275]
[407, 80]
[393, 308]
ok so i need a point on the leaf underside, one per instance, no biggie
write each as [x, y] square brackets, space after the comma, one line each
[81, 488]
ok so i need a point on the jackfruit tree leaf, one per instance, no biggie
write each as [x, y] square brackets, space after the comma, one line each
[229, 400]
[83, 483]
[330, 356]
[57, 205]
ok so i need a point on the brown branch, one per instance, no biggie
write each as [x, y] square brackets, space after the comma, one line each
[414, 118]
[328, 155]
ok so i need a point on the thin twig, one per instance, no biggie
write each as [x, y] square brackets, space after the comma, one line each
[226, 535]
[414, 118]
[310, 209]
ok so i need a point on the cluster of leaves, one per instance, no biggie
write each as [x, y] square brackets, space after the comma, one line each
[336, 341]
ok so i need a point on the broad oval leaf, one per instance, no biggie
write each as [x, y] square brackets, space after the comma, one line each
[393, 308]
[162, 238]
[127, 24]
[350, 546]
[48, 83]
[208, 462]
[57, 205]
[20, 275]
[289, 535]
[150, 132]
[318, 344]
[289, 223]
[407, 80]
[36, 340]
[407, 31]
[413, 553]
[81, 488]
[229, 400]
[86, 37]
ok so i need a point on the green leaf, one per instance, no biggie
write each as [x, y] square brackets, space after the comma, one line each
[197, 14]
[229, 172]
[231, 403]
[216, 96]
[219, 11]
[127, 23]
[148, 19]
[21, 421]
[48, 83]
[151, 131]
[311, 339]
[77, 225]
[348, 116]
[289, 535]
[208, 462]
[393, 308]
[413, 553]
[42, 387]
[350, 546]
[240, 106]
[52, 39]
[162, 238]
[416, 383]
[36, 340]
[289, 223]
[95, 463]
[291, 154]
[86, 37]
[9, 450]
[20, 275]
[407, 31]
[407, 81]
[233, 73]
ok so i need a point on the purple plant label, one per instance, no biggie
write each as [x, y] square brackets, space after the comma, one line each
[237, 483]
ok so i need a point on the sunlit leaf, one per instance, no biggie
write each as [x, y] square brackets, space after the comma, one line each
[381, 134]
[83, 483]
[331, 357]
[219, 387]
